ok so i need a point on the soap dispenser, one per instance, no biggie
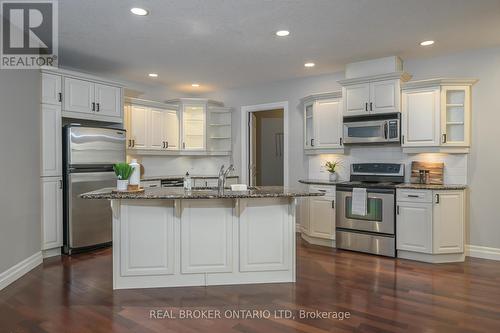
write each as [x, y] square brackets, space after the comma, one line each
[188, 185]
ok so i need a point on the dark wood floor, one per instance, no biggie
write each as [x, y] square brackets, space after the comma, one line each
[381, 294]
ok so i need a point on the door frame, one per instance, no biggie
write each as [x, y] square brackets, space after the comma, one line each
[245, 113]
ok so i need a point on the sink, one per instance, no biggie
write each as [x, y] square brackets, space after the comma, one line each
[216, 189]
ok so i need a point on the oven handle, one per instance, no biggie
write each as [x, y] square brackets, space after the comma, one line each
[371, 190]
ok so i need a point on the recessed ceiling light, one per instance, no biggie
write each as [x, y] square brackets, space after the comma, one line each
[139, 11]
[196, 85]
[282, 33]
[427, 42]
[153, 75]
[309, 64]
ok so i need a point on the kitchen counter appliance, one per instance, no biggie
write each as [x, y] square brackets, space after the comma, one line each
[374, 232]
[88, 157]
[371, 129]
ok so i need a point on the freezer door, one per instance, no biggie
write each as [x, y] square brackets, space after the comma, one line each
[88, 222]
[94, 146]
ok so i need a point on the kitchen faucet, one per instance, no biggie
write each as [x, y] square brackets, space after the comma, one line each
[221, 183]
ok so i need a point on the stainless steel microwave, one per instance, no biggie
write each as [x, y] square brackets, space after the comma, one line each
[373, 129]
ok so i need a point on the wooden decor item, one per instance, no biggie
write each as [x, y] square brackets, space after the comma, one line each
[435, 170]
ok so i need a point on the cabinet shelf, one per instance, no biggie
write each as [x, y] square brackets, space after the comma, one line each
[455, 123]
[219, 124]
[460, 105]
[220, 137]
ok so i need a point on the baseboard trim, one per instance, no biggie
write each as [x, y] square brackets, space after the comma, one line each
[18, 270]
[482, 252]
[51, 253]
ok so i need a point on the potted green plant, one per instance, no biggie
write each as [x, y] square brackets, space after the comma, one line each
[332, 167]
[123, 171]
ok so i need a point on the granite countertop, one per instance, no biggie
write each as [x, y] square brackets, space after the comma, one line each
[176, 177]
[171, 193]
[320, 182]
[432, 186]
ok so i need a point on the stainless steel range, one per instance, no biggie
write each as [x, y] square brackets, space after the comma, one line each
[374, 232]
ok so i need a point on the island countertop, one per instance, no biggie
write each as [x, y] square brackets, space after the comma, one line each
[174, 193]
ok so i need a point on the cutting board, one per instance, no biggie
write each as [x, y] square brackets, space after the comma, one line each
[436, 172]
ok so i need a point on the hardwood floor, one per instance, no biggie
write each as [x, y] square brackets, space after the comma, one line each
[381, 294]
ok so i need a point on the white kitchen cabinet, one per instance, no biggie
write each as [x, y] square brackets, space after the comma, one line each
[79, 96]
[219, 129]
[421, 117]
[155, 128]
[193, 127]
[108, 100]
[170, 129]
[430, 225]
[317, 216]
[323, 123]
[322, 217]
[51, 140]
[414, 227]
[52, 225]
[376, 94]
[137, 126]
[51, 89]
[356, 98]
[436, 116]
[448, 221]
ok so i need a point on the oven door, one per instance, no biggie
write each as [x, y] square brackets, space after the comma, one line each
[380, 211]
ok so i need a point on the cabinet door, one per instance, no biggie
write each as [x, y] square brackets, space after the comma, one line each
[108, 100]
[139, 127]
[414, 227]
[193, 127]
[51, 89]
[449, 219]
[421, 117]
[155, 129]
[455, 116]
[78, 96]
[308, 126]
[356, 98]
[170, 129]
[51, 143]
[52, 227]
[385, 96]
[304, 214]
[327, 116]
[322, 217]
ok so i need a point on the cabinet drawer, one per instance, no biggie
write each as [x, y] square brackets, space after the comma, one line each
[151, 184]
[328, 190]
[414, 195]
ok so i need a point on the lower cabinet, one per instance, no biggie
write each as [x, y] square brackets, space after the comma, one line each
[52, 224]
[430, 225]
[317, 217]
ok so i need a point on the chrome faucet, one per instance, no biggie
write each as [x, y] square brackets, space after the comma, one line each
[221, 183]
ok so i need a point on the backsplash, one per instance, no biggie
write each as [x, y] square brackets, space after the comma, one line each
[455, 165]
[178, 165]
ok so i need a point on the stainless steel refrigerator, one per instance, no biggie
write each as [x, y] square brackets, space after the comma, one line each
[88, 155]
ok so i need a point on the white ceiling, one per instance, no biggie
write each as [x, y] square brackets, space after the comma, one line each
[231, 43]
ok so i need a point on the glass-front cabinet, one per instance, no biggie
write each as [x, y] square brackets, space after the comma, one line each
[193, 127]
[455, 116]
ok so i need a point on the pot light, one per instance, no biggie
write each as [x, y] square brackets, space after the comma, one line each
[139, 11]
[153, 75]
[309, 64]
[282, 33]
[427, 43]
[196, 85]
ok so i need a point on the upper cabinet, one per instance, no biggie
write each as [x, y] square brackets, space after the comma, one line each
[436, 115]
[182, 127]
[51, 89]
[376, 94]
[82, 96]
[323, 123]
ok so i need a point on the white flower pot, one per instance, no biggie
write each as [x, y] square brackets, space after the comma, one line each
[333, 176]
[121, 184]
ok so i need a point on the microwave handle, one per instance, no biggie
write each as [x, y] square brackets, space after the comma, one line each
[385, 130]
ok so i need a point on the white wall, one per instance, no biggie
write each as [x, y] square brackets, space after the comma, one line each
[20, 230]
[479, 169]
[179, 165]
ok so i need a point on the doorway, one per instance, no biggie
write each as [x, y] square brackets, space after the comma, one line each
[266, 139]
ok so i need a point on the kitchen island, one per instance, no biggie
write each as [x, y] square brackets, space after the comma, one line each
[169, 237]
